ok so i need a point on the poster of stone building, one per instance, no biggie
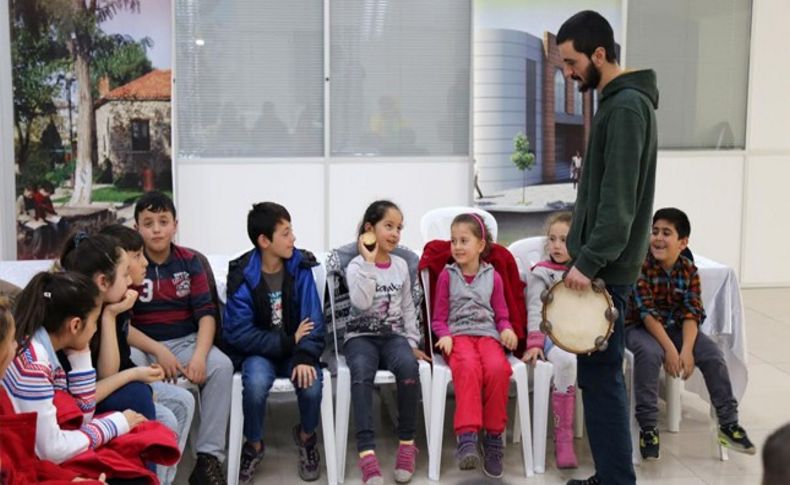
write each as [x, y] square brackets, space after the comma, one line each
[92, 116]
[525, 109]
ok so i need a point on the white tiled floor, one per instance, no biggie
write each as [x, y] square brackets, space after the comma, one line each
[687, 457]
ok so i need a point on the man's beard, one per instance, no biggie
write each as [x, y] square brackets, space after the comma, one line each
[592, 78]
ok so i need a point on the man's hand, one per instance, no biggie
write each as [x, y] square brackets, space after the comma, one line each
[304, 329]
[195, 370]
[532, 355]
[672, 362]
[445, 344]
[575, 280]
[509, 339]
[303, 376]
[686, 363]
[169, 364]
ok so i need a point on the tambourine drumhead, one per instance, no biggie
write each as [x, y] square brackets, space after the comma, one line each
[578, 319]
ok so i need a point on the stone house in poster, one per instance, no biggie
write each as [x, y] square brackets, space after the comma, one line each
[133, 129]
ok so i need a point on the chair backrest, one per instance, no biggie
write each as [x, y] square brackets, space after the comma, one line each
[435, 224]
[338, 311]
[528, 252]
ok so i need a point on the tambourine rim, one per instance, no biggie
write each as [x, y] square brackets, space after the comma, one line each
[609, 328]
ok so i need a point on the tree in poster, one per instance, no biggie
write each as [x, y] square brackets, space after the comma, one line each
[524, 160]
[76, 23]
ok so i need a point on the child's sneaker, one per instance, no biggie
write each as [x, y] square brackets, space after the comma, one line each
[649, 443]
[734, 437]
[208, 471]
[371, 471]
[493, 454]
[405, 462]
[250, 459]
[467, 455]
[309, 458]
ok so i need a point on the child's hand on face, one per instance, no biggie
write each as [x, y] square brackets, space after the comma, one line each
[532, 355]
[445, 344]
[509, 339]
[125, 304]
[133, 418]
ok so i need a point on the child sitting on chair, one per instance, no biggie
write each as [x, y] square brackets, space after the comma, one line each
[472, 322]
[665, 315]
[563, 398]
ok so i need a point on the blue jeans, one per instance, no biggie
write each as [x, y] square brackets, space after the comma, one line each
[600, 376]
[257, 376]
[135, 395]
[365, 355]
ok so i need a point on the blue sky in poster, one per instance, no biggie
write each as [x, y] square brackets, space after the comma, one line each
[154, 21]
[537, 16]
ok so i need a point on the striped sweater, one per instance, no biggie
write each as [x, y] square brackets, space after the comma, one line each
[31, 382]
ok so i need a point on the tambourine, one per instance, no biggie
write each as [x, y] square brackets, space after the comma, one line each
[580, 322]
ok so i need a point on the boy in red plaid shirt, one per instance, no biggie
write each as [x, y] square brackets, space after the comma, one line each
[666, 313]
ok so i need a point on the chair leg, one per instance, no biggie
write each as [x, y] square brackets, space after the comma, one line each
[541, 388]
[636, 456]
[441, 379]
[674, 387]
[719, 450]
[522, 401]
[328, 428]
[578, 423]
[425, 388]
[236, 430]
[342, 415]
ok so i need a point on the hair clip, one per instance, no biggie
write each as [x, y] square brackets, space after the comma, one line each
[79, 237]
[47, 295]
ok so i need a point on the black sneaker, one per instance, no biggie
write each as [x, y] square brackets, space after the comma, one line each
[250, 459]
[309, 458]
[593, 480]
[648, 443]
[208, 471]
[734, 437]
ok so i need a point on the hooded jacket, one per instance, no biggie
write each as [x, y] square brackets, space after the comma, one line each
[610, 230]
[247, 324]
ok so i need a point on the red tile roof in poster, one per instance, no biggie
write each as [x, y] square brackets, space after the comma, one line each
[154, 86]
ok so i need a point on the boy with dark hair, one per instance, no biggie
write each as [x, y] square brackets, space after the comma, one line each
[175, 309]
[274, 327]
[666, 312]
[776, 456]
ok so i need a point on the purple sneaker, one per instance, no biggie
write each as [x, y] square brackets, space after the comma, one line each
[371, 471]
[405, 463]
[467, 455]
[493, 454]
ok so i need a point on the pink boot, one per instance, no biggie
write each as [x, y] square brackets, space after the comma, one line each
[563, 404]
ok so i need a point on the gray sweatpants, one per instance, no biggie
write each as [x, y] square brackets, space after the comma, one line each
[215, 393]
[649, 358]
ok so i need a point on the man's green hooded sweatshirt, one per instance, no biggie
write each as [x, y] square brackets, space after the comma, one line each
[610, 231]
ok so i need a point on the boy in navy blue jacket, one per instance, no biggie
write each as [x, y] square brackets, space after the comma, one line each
[274, 327]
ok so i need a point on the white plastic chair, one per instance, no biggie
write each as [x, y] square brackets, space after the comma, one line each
[673, 387]
[529, 252]
[442, 376]
[344, 391]
[281, 386]
[435, 224]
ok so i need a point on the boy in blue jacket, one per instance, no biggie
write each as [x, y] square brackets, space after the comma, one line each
[274, 327]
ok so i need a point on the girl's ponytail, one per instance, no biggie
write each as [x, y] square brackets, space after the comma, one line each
[51, 298]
